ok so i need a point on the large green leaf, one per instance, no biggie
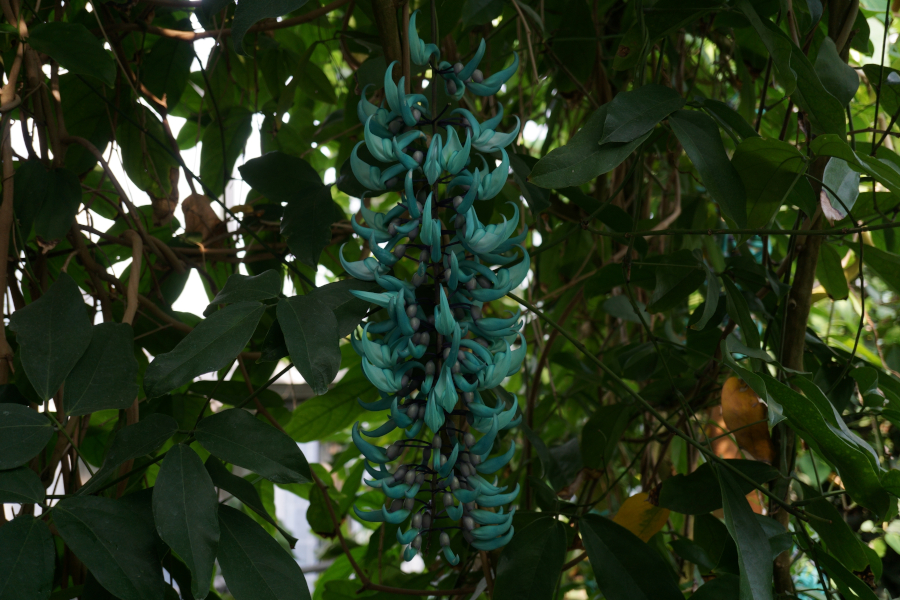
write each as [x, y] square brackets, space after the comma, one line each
[622, 562]
[632, 114]
[703, 143]
[146, 161]
[678, 276]
[21, 485]
[884, 264]
[235, 436]
[880, 170]
[841, 186]
[537, 198]
[255, 567]
[244, 288]
[769, 170]
[256, 10]
[311, 334]
[834, 531]
[830, 273]
[118, 548]
[779, 47]
[53, 332]
[601, 432]
[26, 560]
[530, 564]
[754, 552]
[166, 68]
[23, 433]
[133, 441]
[815, 420]
[209, 347]
[185, 506]
[218, 154]
[848, 584]
[106, 374]
[698, 493]
[320, 417]
[583, 158]
[244, 491]
[74, 48]
[86, 116]
[839, 79]
[46, 198]
[347, 308]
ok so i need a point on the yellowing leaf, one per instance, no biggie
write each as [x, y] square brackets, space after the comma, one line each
[741, 407]
[640, 517]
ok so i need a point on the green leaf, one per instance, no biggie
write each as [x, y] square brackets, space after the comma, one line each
[185, 507]
[701, 140]
[133, 441]
[769, 170]
[115, 546]
[74, 48]
[21, 486]
[677, 277]
[255, 567]
[244, 288]
[23, 433]
[815, 420]
[728, 119]
[53, 332]
[582, 158]
[530, 564]
[739, 311]
[322, 416]
[754, 552]
[620, 307]
[479, 12]
[848, 584]
[880, 170]
[217, 157]
[244, 491]
[27, 561]
[839, 79]
[834, 531]
[622, 562]
[309, 210]
[146, 162]
[698, 493]
[105, 375]
[885, 265]
[347, 308]
[844, 182]
[536, 197]
[601, 434]
[47, 198]
[212, 345]
[886, 82]
[724, 587]
[632, 114]
[166, 68]
[779, 46]
[237, 437]
[830, 273]
[311, 334]
[253, 11]
[712, 300]
[86, 116]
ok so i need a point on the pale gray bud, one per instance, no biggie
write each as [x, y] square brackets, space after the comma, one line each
[451, 87]
[448, 499]
[417, 521]
[468, 523]
[469, 440]
[399, 250]
[418, 156]
[477, 76]
[445, 539]
[458, 67]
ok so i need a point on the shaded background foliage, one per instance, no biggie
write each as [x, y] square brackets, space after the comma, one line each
[711, 403]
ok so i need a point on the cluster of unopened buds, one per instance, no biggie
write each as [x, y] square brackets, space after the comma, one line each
[435, 352]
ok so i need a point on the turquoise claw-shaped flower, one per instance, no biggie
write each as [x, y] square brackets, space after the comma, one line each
[484, 137]
[408, 536]
[433, 165]
[496, 542]
[499, 499]
[486, 517]
[409, 553]
[450, 556]
[498, 462]
[371, 176]
[372, 452]
[420, 52]
[492, 84]
[454, 155]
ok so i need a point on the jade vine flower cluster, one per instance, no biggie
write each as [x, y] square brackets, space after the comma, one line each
[435, 351]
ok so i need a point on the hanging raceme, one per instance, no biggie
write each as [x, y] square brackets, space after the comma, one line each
[436, 352]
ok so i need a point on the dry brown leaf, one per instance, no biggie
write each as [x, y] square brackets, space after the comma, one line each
[640, 517]
[200, 218]
[740, 407]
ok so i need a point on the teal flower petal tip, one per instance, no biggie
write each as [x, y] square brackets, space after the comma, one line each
[437, 343]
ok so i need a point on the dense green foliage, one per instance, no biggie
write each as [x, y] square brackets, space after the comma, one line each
[709, 404]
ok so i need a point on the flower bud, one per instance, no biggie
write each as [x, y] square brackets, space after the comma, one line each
[470, 284]
[477, 76]
[448, 499]
[415, 323]
[454, 483]
[396, 505]
[420, 478]
[412, 310]
[417, 114]
[423, 255]
[424, 338]
[469, 440]
[417, 521]
[399, 250]
[451, 87]
[429, 368]
[395, 126]
[484, 283]
[413, 411]
[391, 183]
[476, 460]
[410, 503]
[426, 521]
[475, 311]
[445, 539]
[394, 450]
[404, 380]
[458, 67]
[418, 156]
[457, 201]
[392, 227]
[455, 368]
[400, 473]
[410, 477]
[417, 279]
[469, 506]
[459, 222]
[468, 397]
[414, 233]
[417, 542]
[468, 523]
